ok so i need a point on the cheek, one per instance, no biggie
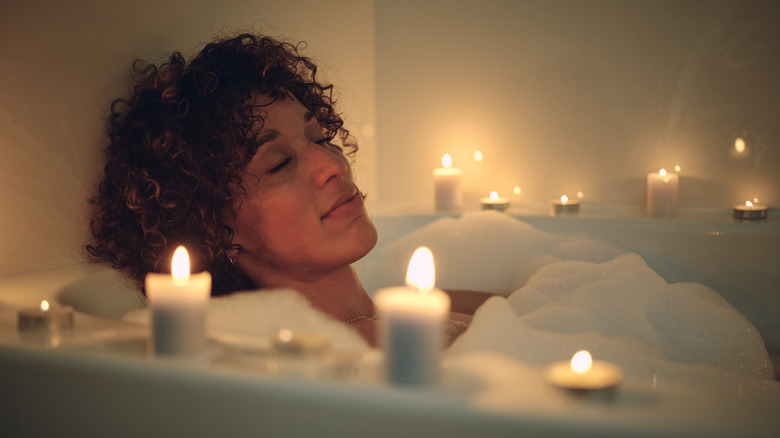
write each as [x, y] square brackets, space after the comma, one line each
[266, 220]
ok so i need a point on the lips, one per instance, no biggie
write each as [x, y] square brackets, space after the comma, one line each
[344, 200]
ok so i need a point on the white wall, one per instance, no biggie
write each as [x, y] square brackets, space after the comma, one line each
[580, 95]
[61, 63]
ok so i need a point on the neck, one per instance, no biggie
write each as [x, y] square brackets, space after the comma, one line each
[338, 293]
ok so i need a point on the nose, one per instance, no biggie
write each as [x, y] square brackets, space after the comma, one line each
[326, 163]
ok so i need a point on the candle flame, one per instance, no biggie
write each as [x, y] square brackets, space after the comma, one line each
[748, 204]
[180, 266]
[421, 274]
[285, 335]
[662, 172]
[478, 156]
[517, 190]
[739, 145]
[446, 161]
[581, 362]
[677, 168]
[564, 199]
[493, 196]
[44, 306]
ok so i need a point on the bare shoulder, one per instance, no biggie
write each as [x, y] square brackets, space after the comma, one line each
[466, 302]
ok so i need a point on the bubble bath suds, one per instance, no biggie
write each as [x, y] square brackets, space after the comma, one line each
[566, 293]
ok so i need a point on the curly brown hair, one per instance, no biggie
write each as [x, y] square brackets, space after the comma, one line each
[177, 146]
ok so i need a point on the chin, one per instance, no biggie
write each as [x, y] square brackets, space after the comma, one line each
[366, 237]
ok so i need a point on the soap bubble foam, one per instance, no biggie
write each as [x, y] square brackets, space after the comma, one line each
[571, 292]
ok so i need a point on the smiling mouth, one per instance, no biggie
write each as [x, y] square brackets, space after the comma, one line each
[343, 201]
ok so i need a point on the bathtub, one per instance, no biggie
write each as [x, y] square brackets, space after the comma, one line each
[106, 384]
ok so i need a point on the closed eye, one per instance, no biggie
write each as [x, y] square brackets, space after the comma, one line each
[281, 165]
[325, 140]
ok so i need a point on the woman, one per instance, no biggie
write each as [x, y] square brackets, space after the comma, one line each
[238, 155]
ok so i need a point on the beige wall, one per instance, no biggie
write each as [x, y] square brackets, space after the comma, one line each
[61, 63]
[560, 96]
[580, 95]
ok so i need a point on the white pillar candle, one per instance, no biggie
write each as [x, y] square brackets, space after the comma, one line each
[447, 186]
[412, 324]
[662, 189]
[178, 303]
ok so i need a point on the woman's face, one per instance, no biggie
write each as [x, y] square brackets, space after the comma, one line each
[303, 215]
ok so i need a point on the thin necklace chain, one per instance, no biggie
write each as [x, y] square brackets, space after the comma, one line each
[362, 317]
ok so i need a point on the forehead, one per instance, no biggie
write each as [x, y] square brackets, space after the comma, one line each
[271, 112]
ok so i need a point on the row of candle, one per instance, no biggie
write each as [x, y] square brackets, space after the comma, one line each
[662, 195]
[411, 327]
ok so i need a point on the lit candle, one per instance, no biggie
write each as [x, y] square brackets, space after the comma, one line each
[291, 343]
[494, 202]
[447, 186]
[45, 316]
[662, 188]
[750, 211]
[412, 324]
[582, 373]
[564, 206]
[178, 304]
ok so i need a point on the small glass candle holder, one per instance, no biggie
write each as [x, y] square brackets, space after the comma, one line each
[750, 211]
[564, 206]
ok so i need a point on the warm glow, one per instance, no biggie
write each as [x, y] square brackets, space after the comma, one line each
[517, 190]
[180, 267]
[580, 194]
[748, 204]
[581, 362]
[285, 335]
[662, 172]
[739, 145]
[493, 196]
[44, 306]
[478, 156]
[677, 168]
[564, 199]
[421, 274]
[446, 161]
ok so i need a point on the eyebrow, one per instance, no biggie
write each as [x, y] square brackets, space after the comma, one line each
[273, 134]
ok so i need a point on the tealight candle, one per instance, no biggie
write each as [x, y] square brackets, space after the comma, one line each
[494, 202]
[662, 192]
[178, 303]
[45, 316]
[447, 186]
[750, 211]
[564, 206]
[292, 343]
[412, 324]
[582, 373]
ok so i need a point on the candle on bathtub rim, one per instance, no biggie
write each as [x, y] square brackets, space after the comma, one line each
[45, 316]
[178, 303]
[412, 324]
[750, 211]
[662, 192]
[447, 186]
[582, 373]
[494, 202]
[564, 205]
